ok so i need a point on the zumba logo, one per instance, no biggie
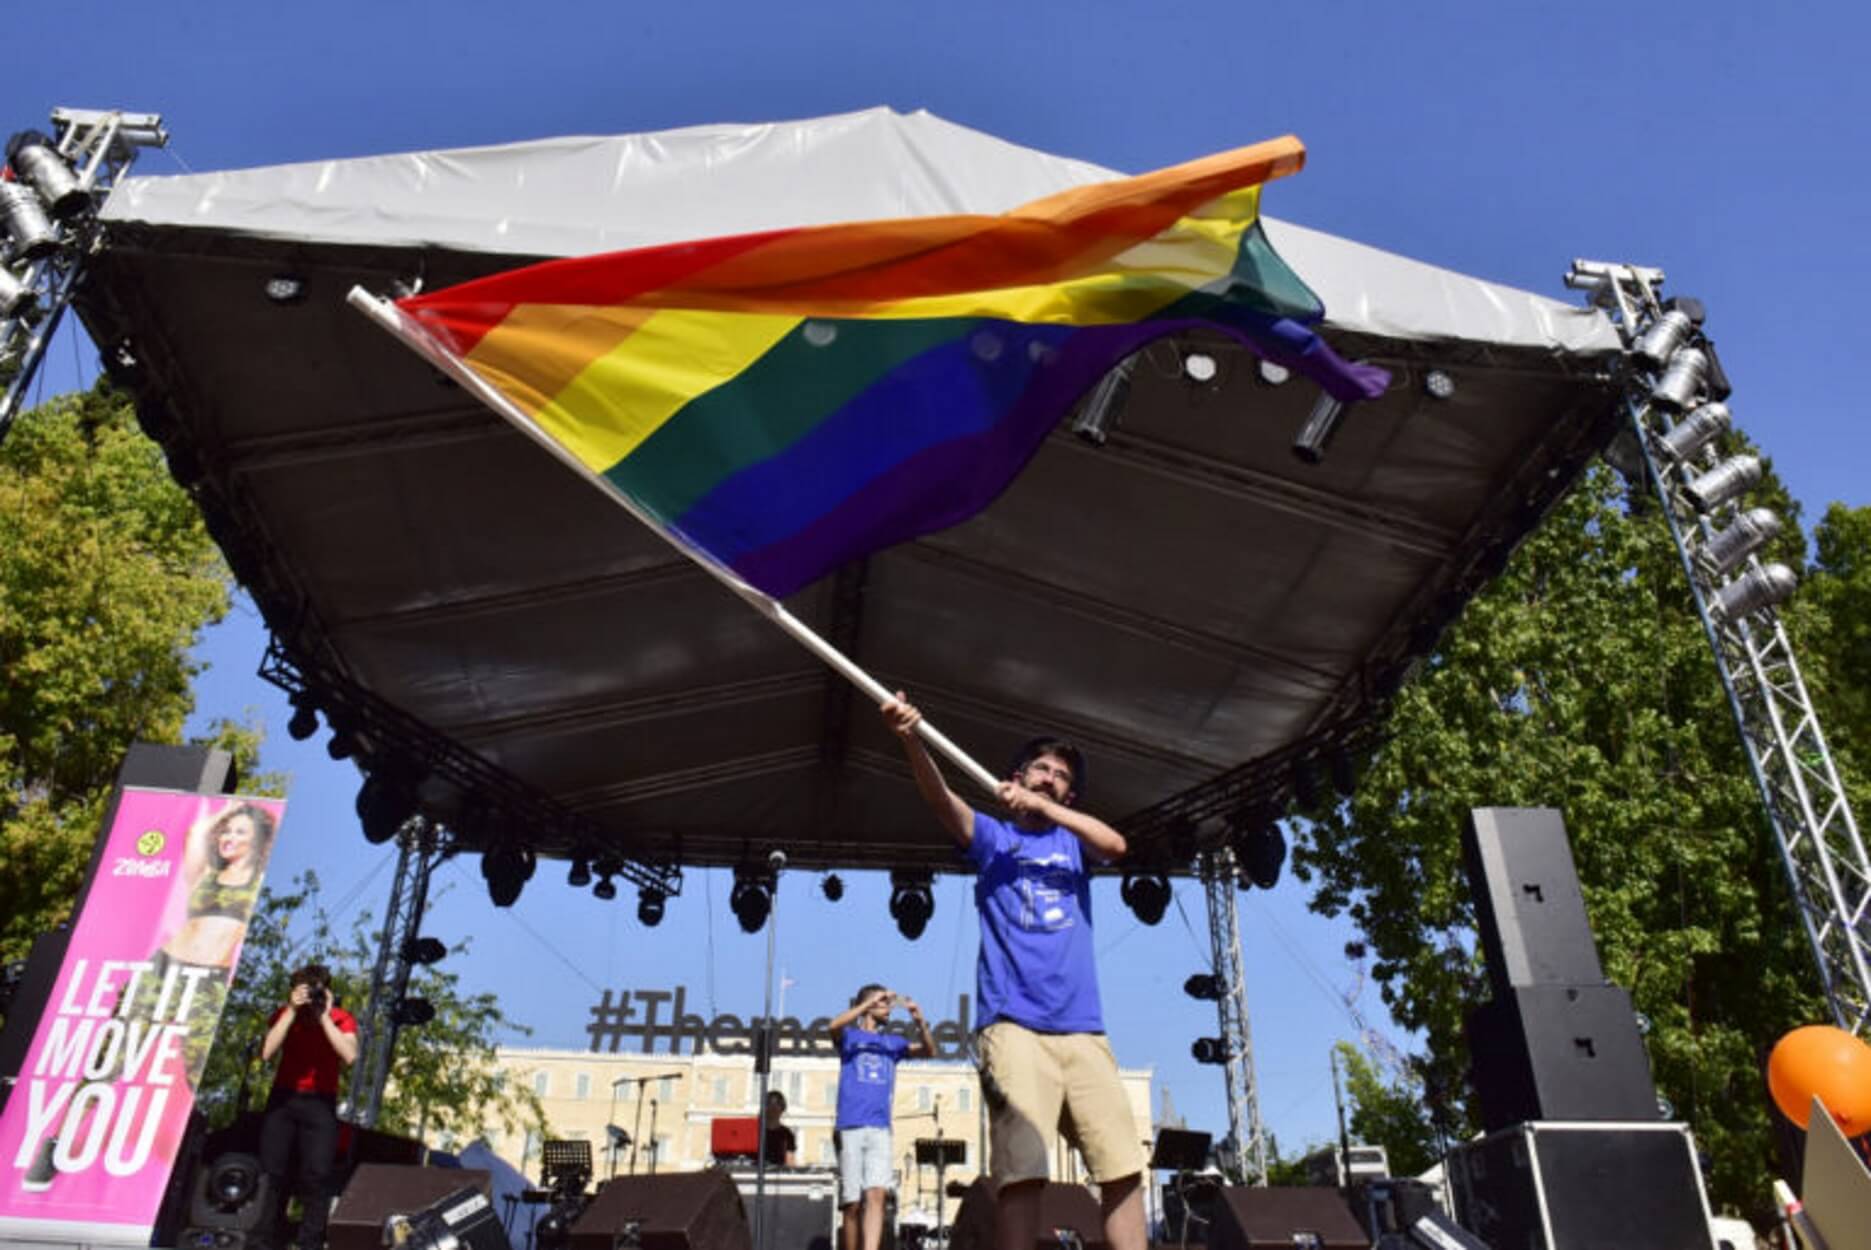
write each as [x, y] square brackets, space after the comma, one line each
[151, 843]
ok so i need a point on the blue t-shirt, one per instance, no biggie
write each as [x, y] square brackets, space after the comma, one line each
[867, 1076]
[1034, 895]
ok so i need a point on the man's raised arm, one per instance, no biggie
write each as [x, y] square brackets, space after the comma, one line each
[953, 814]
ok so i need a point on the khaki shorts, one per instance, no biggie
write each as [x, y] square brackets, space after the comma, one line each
[1038, 1084]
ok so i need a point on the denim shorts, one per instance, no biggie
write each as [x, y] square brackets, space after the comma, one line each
[863, 1162]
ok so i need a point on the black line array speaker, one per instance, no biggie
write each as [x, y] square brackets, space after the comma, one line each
[1062, 1207]
[670, 1211]
[1527, 899]
[1559, 1052]
[378, 1191]
[1582, 1187]
[1296, 1218]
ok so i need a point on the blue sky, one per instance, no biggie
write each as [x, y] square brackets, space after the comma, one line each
[1724, 144]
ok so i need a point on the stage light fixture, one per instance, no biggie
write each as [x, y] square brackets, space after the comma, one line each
[424, 951]
[1204, 986]
[751, 899]
[506, 867]
[580, 875]
[1438, 385]
[343, 743]
[833, 887]
[1696, 431]
[16, 298]
[285, 288]
[1200, 367]
[35, 159]
[1320, 427]
[1260, 849]
[25, 222]
[1209, 1050]
[1682, 379]
[1101, 409]
[606, 889]
[304, 722]
[1271, 373]
[1662, 337]
[1147, 895]
[1724, 482]
[912, 902]
[1745, 535]
[414, 1012]
[650, 907]
[384, 802]
[1754, 591]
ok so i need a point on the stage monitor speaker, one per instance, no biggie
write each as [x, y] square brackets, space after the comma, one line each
[1559, 1052]
[1527, 900]
[1062, 1208]
[1580, 1186]
[231, 1193]
[671, 1211]
[1295, 1218]
[378, 1191]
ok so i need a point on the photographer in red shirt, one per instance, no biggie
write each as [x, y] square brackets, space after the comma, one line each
[315, 1040]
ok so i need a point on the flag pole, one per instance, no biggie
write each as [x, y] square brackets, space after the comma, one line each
[392, 319]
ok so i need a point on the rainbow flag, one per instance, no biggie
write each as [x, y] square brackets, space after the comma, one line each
[784, 402]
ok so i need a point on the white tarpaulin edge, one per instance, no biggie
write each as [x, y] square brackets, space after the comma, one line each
[585, 195]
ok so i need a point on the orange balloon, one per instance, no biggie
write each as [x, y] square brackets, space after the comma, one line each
[1827, 1063]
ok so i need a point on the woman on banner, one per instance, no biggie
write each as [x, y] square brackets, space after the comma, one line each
[223, 864]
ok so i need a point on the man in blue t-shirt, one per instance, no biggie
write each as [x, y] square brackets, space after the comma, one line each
[1044, 1057]
[867, 1075]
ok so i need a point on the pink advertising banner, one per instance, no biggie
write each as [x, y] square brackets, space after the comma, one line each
[91, 1130]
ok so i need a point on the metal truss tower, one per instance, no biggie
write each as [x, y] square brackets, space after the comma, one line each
[1237, 1038]
[1674, 394]
[418, 851]
[48, 227]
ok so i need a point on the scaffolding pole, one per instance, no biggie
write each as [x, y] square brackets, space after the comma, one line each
[1237, 1038]
[380, 1021]
[1676, 431]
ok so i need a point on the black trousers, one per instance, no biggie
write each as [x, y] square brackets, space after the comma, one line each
[308, 1122]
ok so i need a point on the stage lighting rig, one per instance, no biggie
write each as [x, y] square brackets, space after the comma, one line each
[1209, 1050]
[606, 888]
[414, 1011]
[912, 902]
[304, 722]
[1660, 341]
[650, 907]
[1745, 535]
[507, 868]
[833, 887]
[1318, 431]
[34, 157]
[424, 951]
[1101, 409]
[1200, 366]
[343, 743]
[31, 233]
[751, 899]
[384, 802]
[1682, 379]
[1260, 850]
[1438, 385]
[1204, 987]
[1147, 895]
[1758, 588]
[16, 297]
[580, 875]
[1724, 482]
[1696, 431]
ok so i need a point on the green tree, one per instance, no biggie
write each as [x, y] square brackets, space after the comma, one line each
[443, 1078]
[1581, 680]
[107, 578]
[1391, 1114]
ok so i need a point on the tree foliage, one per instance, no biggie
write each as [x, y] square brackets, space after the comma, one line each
[1390, 1114]
[1581, 680]
[107, 577]
[443, 1079]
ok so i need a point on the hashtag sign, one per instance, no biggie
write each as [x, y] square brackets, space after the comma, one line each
[607, 1021]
